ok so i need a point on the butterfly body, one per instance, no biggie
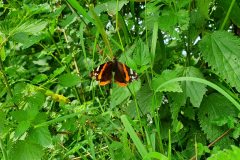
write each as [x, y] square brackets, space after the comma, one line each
[122, 73]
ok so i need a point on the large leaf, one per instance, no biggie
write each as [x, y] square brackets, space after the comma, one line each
[193, 90]
[41, 135]
[164, 77]
[213, 108]
[146, 102]
[69, 80]
[221, 50]
[24, 150]
[226, 154]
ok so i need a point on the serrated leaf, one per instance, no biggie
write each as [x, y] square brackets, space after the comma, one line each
[31, 27]
[221, 50]
[57, 72]
[41, 135]
[69, 80]
[39, 78]
[226, 154]
[24, 150]
[110, 6]
[215, 107]
[22, 127]
[193, 90]
[203, 7]
[164, 77]
[146, 100]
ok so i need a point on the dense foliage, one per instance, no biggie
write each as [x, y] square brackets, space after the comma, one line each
[184, 104]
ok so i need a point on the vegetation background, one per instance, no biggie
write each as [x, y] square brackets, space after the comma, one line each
[185, 104]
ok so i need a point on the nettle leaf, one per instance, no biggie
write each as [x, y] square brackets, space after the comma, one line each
[22, 127]
[110, 6]
[146, 102]
[120, 94]
[203, 7]
[39, 78]
[26, 150]
[69, 80]
[213, 108]
[177, 100]
[221, 50]
[193, 90]
[164, 77]
[41, 136]
[32, 27]
[226, 154]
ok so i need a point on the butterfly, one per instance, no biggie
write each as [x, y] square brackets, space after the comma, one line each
[122, 73]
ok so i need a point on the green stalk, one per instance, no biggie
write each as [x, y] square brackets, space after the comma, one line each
[227, 15]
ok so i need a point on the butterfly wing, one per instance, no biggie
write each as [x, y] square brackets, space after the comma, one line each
[124, 74]
[103, 73]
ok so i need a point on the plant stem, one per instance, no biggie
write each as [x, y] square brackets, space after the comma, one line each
[227, 15]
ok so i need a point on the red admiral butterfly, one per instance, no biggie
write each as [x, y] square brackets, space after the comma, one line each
[122, 73]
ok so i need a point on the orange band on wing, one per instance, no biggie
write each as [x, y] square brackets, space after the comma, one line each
[126, 73]
[121, 84]
[101, 72]
[103, 83]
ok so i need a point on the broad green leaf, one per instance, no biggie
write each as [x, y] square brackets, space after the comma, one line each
[28, 40]
[221, 50]
[110, 6]
[24, 150]
[41, 135]
[226, 154]
[69, 80]
[146, 102]
[120, 94]
[164, 77]
[39, 78]
[58, 71]
[215, 107]
[32, 27]
[36, 99]
[193, 90]
[203, 7]
[22, 127]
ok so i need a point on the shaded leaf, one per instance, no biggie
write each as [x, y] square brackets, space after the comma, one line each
[22, 127]
[24, 150]
[69, 80]
[221, 50]
[193, 90]
[215, 107]
[164, 77]
[41, 135]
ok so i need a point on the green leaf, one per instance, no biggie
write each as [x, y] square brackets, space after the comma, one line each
[24, 150]
[69, 80]
[110, 6]
[193, 90]
[226, 154]
[146, 101]
[22, 127]
[203, 7]
[164, 77]
[57, 72]
[215, 107]
[39, 78]
[31, 27]
[41, 135]
[221, 50]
